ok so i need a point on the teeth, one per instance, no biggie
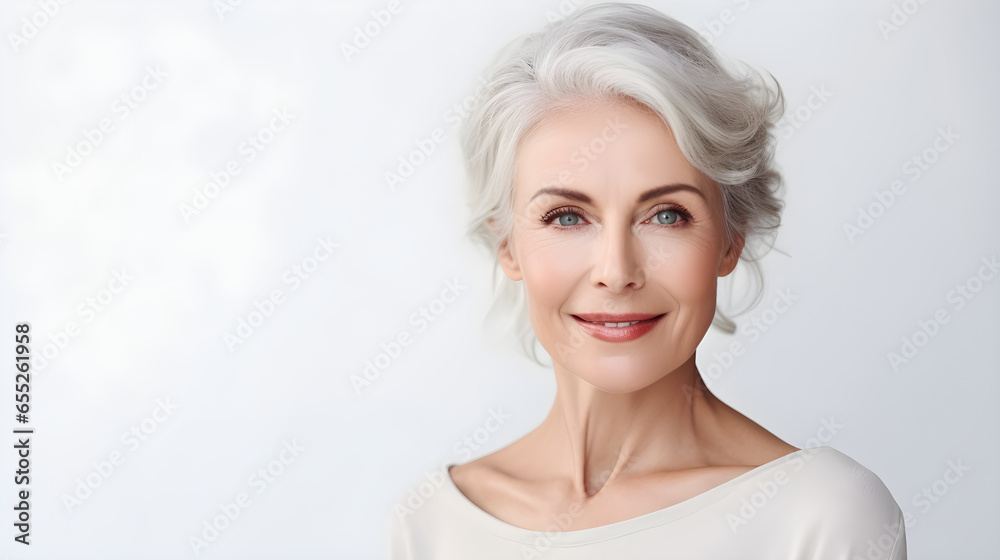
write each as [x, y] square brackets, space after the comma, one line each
[625, 324]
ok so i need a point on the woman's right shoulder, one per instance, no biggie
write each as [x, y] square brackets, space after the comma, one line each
[467, 476]
[430, 510]
[422, 489]
[494, 481]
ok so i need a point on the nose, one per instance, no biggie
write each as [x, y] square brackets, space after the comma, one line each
[617, 265]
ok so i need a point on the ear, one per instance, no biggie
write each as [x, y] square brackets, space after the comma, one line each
[508, 262]
[732, 256]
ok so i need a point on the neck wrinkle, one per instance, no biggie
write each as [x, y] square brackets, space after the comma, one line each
[652, 429]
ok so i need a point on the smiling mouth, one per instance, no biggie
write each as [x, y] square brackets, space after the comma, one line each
[616, 324]
[618, 327]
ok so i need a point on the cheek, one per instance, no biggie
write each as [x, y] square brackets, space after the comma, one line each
[552, 265]
[688, 271]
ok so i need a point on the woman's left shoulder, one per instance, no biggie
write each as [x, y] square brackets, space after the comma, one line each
[846, 500]
[840, 475]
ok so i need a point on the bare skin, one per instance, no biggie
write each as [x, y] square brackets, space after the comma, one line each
[633, 429]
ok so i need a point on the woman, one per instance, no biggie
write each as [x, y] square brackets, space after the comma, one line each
[619, 168]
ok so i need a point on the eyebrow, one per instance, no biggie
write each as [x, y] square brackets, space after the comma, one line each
[651, 193]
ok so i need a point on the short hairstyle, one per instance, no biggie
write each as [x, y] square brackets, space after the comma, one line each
[722, 115]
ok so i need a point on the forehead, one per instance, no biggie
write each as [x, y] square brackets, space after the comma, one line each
[602, 149]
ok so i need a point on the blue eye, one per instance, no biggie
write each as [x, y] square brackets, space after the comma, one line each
[668, 217]
[566, 217]
[569, 219]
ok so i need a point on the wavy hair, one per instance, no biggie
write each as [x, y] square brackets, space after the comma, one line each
[722, 115]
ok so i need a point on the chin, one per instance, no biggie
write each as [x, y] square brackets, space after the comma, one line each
[616, 375]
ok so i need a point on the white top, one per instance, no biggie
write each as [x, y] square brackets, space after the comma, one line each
[815, 503]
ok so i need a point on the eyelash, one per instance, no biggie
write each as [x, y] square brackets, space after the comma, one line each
[682, 212]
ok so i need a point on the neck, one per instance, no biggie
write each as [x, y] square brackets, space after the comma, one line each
[595, 438]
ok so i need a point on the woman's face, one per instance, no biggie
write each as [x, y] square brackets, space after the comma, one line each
[612, 220]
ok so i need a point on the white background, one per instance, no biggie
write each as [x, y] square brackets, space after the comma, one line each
[162, 335]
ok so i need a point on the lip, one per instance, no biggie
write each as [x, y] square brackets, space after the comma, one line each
[615, 317]
[646, 323]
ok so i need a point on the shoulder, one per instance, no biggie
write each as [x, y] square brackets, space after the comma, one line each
[829, 472]
[431, 516]
[429, 495]
[425, 513]
[491, 487]
[842, 499]
[477, 478]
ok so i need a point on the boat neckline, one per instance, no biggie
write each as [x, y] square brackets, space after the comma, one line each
[670, 513]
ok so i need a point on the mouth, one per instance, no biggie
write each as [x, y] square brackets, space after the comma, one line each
[616, 321]
[617, 328]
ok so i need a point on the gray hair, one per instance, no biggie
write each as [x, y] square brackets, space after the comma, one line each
[722, 115]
